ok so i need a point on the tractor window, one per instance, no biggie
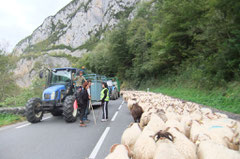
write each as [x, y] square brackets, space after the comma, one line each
[61, 76]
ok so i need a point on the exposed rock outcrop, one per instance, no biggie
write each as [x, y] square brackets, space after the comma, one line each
[73, 25]
[27, 68]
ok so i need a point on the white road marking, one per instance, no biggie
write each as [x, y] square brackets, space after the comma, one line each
[122, 102]
[114, 116]
[46, 118]
[120, 107]
[23, 126]
[99, 144]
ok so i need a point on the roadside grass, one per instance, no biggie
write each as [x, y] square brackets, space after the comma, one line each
[7, 119]
[223, 99]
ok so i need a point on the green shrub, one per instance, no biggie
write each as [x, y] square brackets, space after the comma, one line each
[23, 95]
[6, 119]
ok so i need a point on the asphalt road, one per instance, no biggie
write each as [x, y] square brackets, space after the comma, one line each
[53, 138]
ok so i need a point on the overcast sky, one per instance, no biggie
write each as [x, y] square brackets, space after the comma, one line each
[19, 18]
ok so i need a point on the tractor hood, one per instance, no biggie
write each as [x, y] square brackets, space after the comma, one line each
[51, 89]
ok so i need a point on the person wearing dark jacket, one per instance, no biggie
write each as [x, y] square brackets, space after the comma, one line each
[82, 102]
[104, 99]
[87, 111]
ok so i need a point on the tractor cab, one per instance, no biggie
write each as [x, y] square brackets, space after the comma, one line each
[59, 84]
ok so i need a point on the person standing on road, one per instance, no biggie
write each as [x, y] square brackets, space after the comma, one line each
[85, 117]
[79, 80]
[82, 102]
[104, 99]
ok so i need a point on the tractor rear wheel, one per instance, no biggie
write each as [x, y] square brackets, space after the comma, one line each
[56, 112]
[69, 113]
[34, 112]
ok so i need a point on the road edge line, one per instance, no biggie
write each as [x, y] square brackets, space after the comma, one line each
[46, 118]
[21, 126]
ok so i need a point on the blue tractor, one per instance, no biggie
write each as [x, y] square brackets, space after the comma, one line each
[58, 97]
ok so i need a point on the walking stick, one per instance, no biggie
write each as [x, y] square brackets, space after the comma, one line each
[94, 118]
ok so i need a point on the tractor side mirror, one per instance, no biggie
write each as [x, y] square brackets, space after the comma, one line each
[41, 74]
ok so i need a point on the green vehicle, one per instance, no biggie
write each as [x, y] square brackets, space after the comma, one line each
[96, 86]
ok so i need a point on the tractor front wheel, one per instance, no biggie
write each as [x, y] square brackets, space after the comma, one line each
[69, 112]
[34, 112]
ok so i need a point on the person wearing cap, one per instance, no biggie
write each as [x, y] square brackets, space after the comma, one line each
[104, 99]
[79, 79]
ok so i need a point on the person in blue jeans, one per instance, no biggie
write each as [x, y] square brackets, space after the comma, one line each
[87, 111]
[82, 99]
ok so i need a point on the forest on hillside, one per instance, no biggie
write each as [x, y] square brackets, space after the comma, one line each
[192, 41]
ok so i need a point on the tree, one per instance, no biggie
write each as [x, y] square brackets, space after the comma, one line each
[7, 81]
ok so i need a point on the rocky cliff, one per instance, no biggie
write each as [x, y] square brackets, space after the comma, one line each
[28, 68]
[68, 30]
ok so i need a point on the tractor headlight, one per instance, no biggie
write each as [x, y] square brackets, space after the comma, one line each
[53, 96]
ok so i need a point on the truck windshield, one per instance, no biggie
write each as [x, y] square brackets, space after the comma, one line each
[61, 77]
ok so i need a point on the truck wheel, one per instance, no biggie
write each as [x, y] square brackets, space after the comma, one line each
[34, 112]
[115, 94]
[56, 112]
[112, 95]
[69, 113]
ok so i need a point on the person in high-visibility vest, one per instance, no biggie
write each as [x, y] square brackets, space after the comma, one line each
[104, 99]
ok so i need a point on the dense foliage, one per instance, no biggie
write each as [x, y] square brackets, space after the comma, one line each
[192, 41]
[7, 82]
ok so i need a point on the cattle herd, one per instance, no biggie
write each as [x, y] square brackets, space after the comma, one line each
[169, 128]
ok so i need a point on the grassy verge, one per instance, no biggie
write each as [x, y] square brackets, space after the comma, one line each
[227, 100]
[7, 119]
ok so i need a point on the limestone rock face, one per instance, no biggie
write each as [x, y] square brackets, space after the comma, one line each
[73, 25]
[28, 68]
